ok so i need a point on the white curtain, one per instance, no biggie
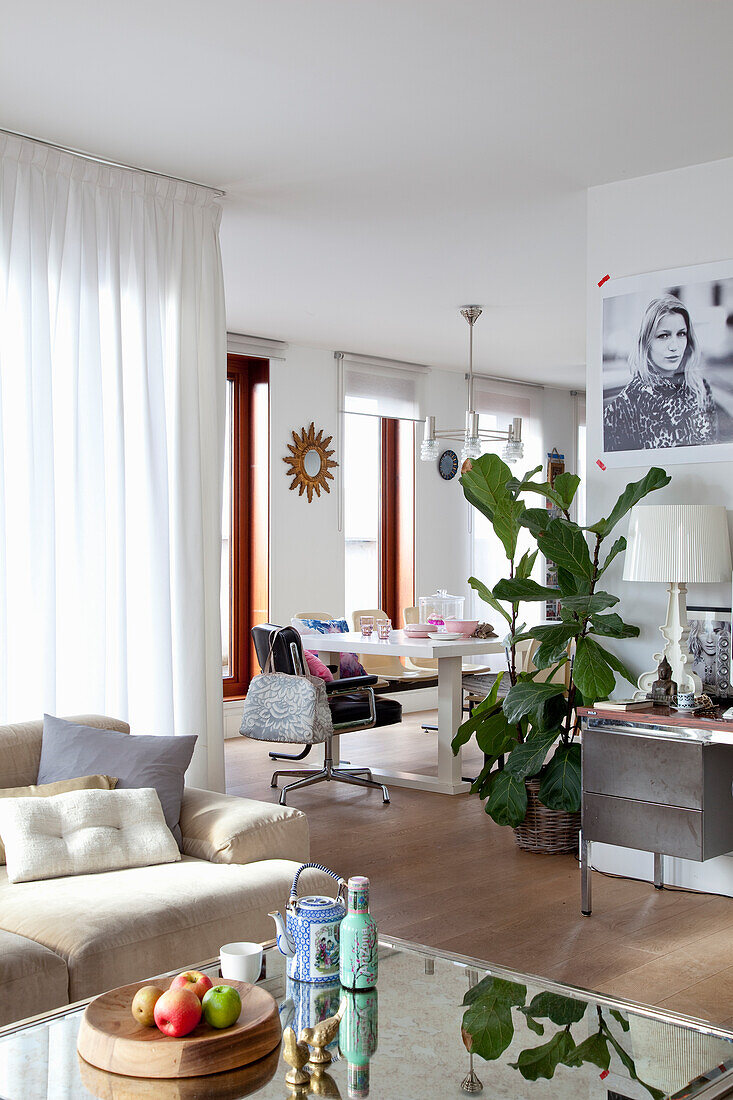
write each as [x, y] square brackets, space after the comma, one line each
[112, 399]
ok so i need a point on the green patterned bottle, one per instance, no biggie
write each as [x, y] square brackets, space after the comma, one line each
[358, 962]
[358, 1039]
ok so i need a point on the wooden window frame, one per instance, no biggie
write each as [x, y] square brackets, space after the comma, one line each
[249, 547]
[397, 519]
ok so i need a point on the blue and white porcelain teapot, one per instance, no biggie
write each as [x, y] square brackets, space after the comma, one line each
[309, 934]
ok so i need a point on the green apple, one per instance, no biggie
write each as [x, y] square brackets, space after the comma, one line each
[221, 1005]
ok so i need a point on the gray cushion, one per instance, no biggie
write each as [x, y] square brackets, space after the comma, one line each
[69, 751]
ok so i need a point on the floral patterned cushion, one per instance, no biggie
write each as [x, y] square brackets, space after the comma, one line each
[349, 664]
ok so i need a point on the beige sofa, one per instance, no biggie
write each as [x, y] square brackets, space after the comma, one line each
[64, 939]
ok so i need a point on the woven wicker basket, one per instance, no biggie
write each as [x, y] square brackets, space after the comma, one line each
[546, 830]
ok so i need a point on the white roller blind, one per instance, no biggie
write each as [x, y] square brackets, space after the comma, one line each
[378, 388]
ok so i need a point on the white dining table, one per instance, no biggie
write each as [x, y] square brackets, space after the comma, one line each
[449, 655]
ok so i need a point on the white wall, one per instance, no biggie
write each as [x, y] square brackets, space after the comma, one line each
[667, 220]
[306, 546]
[663, 221]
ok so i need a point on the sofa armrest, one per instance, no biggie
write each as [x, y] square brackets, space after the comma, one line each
[223, 828]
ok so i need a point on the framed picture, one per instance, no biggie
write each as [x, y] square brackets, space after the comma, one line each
[709, 644]
[667, 366]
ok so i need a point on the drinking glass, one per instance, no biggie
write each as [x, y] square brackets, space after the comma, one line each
[366, 622]
[384, 626]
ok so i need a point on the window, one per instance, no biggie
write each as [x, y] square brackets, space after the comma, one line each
[497, 404]
[245, 518]
[379, 513]
[579, 400]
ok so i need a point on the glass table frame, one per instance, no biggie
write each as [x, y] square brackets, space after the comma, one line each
[718, 1086]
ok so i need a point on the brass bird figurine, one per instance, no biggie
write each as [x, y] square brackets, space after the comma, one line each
[296, 1055]
[323, 1084]
[321, 1035]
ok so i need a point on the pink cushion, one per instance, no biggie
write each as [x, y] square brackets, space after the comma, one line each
[316, 666]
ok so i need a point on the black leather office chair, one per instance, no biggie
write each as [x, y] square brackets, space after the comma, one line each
[352, 702]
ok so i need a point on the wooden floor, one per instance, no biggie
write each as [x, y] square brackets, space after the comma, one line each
[444, 874]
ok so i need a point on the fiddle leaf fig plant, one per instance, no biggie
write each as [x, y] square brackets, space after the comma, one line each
[571, 666]
[488, 1029]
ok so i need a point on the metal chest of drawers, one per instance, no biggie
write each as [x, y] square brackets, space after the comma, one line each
[661, 788]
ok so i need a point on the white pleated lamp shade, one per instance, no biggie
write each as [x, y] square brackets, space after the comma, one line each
[684, 543]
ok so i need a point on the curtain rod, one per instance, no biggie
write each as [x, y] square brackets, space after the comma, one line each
[509, 381]
[110, 163]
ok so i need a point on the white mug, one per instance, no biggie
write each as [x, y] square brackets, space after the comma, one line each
[686, 700]
[241, 962]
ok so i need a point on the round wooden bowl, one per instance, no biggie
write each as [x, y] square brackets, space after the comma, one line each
[111, 1039]
[232, 1085]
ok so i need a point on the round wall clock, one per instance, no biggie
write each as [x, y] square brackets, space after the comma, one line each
[448, 465]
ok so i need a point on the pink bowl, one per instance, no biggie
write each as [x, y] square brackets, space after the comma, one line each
[417, 630]
[461, 626]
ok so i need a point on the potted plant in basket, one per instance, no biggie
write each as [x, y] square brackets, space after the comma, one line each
[536, 724]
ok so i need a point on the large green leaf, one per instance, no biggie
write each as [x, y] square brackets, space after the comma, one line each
[593, 1049]
[488, 597]
[515, 590]
[591, 671]
[561, 1010]
[553, 639]
[560, 781]
[485, 709]
[618, 548]
[494, 735]
[622, 1020]
[516, 486]
[496, 990]
[487, 480]
[525, 565]
[507, 514]
[571, 585]
[551, 712]
[490, 1026]
[613, 626]
[526, 759]
[544, 489]
[536, 520]
[566, 486]
[482, 782]
[634, 492]
[526, 697]
[564, 543]
[617, 665]
[488, 1018]
[481, 505]
[589, 605]
[532, 1024]
[542, 1061]
[507, 801]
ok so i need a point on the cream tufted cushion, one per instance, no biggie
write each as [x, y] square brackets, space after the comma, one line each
[83, 832]
[47, 790]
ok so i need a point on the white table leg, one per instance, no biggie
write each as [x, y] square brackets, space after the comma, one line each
[450, 714]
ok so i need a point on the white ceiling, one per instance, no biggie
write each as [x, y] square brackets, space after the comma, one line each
[387, 161]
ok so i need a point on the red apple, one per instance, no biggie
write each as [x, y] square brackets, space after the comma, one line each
[177, 1012]
[194, 980]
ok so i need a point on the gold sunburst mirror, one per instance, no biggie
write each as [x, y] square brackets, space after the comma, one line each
[310, 462]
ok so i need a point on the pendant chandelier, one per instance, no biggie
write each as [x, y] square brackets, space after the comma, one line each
[473, 436]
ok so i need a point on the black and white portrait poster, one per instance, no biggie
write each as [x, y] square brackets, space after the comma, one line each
[667, 366]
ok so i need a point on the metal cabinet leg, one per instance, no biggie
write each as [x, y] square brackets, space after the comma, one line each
[585, 879]
[658, 871]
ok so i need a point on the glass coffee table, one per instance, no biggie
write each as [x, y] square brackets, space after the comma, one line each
[532, 1040]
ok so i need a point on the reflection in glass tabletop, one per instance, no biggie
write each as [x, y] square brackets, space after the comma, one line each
[530, 1040]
